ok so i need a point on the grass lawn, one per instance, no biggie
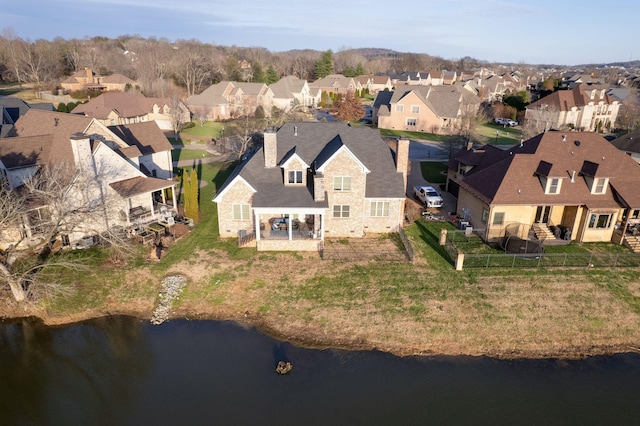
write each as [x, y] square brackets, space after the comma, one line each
[506, 135]
[422, 307]
[417, 135]
[211, 129]
[432, 171]
[189, 154]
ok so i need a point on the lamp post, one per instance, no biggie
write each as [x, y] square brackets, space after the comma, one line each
[497, 137]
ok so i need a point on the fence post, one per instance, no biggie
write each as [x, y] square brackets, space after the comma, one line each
[443, 237]
[459, 261]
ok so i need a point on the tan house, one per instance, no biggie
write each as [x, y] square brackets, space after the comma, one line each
[575, 186]
[431, 109]
[314, 180]
[586, 108]
[290, 91]
[334, 83]
[109, 169]
[231, 99]
[374, 83]
[117, 108]
[86, 79]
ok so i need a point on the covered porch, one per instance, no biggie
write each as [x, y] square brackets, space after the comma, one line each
[147, 200]
[291, 229]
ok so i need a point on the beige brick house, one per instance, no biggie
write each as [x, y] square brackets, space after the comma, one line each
[312, 180]
[87, 79]
[430, 109]
[574, 181]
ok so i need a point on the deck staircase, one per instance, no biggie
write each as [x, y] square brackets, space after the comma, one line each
[633, 242]
[543, 232]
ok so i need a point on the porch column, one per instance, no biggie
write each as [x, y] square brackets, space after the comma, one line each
[290, 227]
[322, 227]
[257, 225]
[173, 198]
[153, 211]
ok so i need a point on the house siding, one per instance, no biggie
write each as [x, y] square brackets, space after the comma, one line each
[238, 193]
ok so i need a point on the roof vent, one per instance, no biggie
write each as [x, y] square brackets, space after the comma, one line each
[521, 142]
[564, 138]
[573, 176]
[295, 130]
[56, 121]
[577, 143]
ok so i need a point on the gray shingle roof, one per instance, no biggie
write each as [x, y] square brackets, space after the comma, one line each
[315, 143]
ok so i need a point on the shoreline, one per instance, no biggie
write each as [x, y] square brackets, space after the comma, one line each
[316, 339]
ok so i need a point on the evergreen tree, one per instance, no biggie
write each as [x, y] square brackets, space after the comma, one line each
[349, 72]
[272, 76]
[62, 107]
[324, 66]
[359, 69]
[190, 190]
[259, 75]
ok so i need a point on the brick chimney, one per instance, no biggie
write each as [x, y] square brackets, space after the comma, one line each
[270, 149]
[318, 187]
[82, 157]
[402, 159]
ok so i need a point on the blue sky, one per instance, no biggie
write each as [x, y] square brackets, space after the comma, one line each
[567, 32]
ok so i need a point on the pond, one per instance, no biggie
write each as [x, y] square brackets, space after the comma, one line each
[120, 370]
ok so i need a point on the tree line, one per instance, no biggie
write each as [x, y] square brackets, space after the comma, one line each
[163, 67]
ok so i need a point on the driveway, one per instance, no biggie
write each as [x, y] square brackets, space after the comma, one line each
[428, 151]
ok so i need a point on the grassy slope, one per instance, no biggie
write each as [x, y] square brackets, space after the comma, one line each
[420, 308]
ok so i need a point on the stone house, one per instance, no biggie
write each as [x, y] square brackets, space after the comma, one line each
[585, 108]
[431, 109]
[334, 83]
[290, 91]
[374, 83]
[574, 181]
[314, 180]
[230, 99]
[117, 108]
[86, 79]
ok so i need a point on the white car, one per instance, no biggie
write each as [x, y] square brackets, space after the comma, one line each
[428, 195]
[510, 123]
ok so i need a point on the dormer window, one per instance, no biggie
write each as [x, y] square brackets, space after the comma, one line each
[599, 186]
[553, 186]
[295, 177]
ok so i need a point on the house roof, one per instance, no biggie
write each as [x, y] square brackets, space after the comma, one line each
[146, 136]
[445, 101]
[579, 96]
[287, 86]
[57, 124]
[629, 142]
[512, 176]
[140, 185]
[124, 104]
[314, 143]
[25, 151]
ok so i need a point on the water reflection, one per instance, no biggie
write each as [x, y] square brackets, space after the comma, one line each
[123, 371]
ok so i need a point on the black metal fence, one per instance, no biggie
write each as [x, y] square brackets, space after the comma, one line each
[552, 260]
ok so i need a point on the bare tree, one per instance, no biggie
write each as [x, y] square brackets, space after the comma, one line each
[191, 67]
[55, 201]
[629, 113]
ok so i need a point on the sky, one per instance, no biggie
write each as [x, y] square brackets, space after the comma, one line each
[562, 32]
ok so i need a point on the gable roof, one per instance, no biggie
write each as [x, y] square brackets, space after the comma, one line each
[123, 103]
[26, 151]
[287, 86]
[145, 136]
[629, 142]
[579, 96]
[314, 143]
[444, 101]
[512, 176]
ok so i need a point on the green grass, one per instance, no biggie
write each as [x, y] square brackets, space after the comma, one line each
[211, 129]
[506, 135]
[189, 154]
[432, 171]
[417, 135]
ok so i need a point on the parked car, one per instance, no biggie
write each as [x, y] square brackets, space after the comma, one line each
[510, 123]
[500, 120]
[428, 195]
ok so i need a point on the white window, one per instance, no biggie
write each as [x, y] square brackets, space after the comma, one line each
[553, 186]
[295, 176]
[498, 218]
[415, 109]
[485, 215]
[341, 210]
[411, 121]
[600, 221]
[379, 208]
[342, 183]
[599, 185]
[399, 108]
[241, 212]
